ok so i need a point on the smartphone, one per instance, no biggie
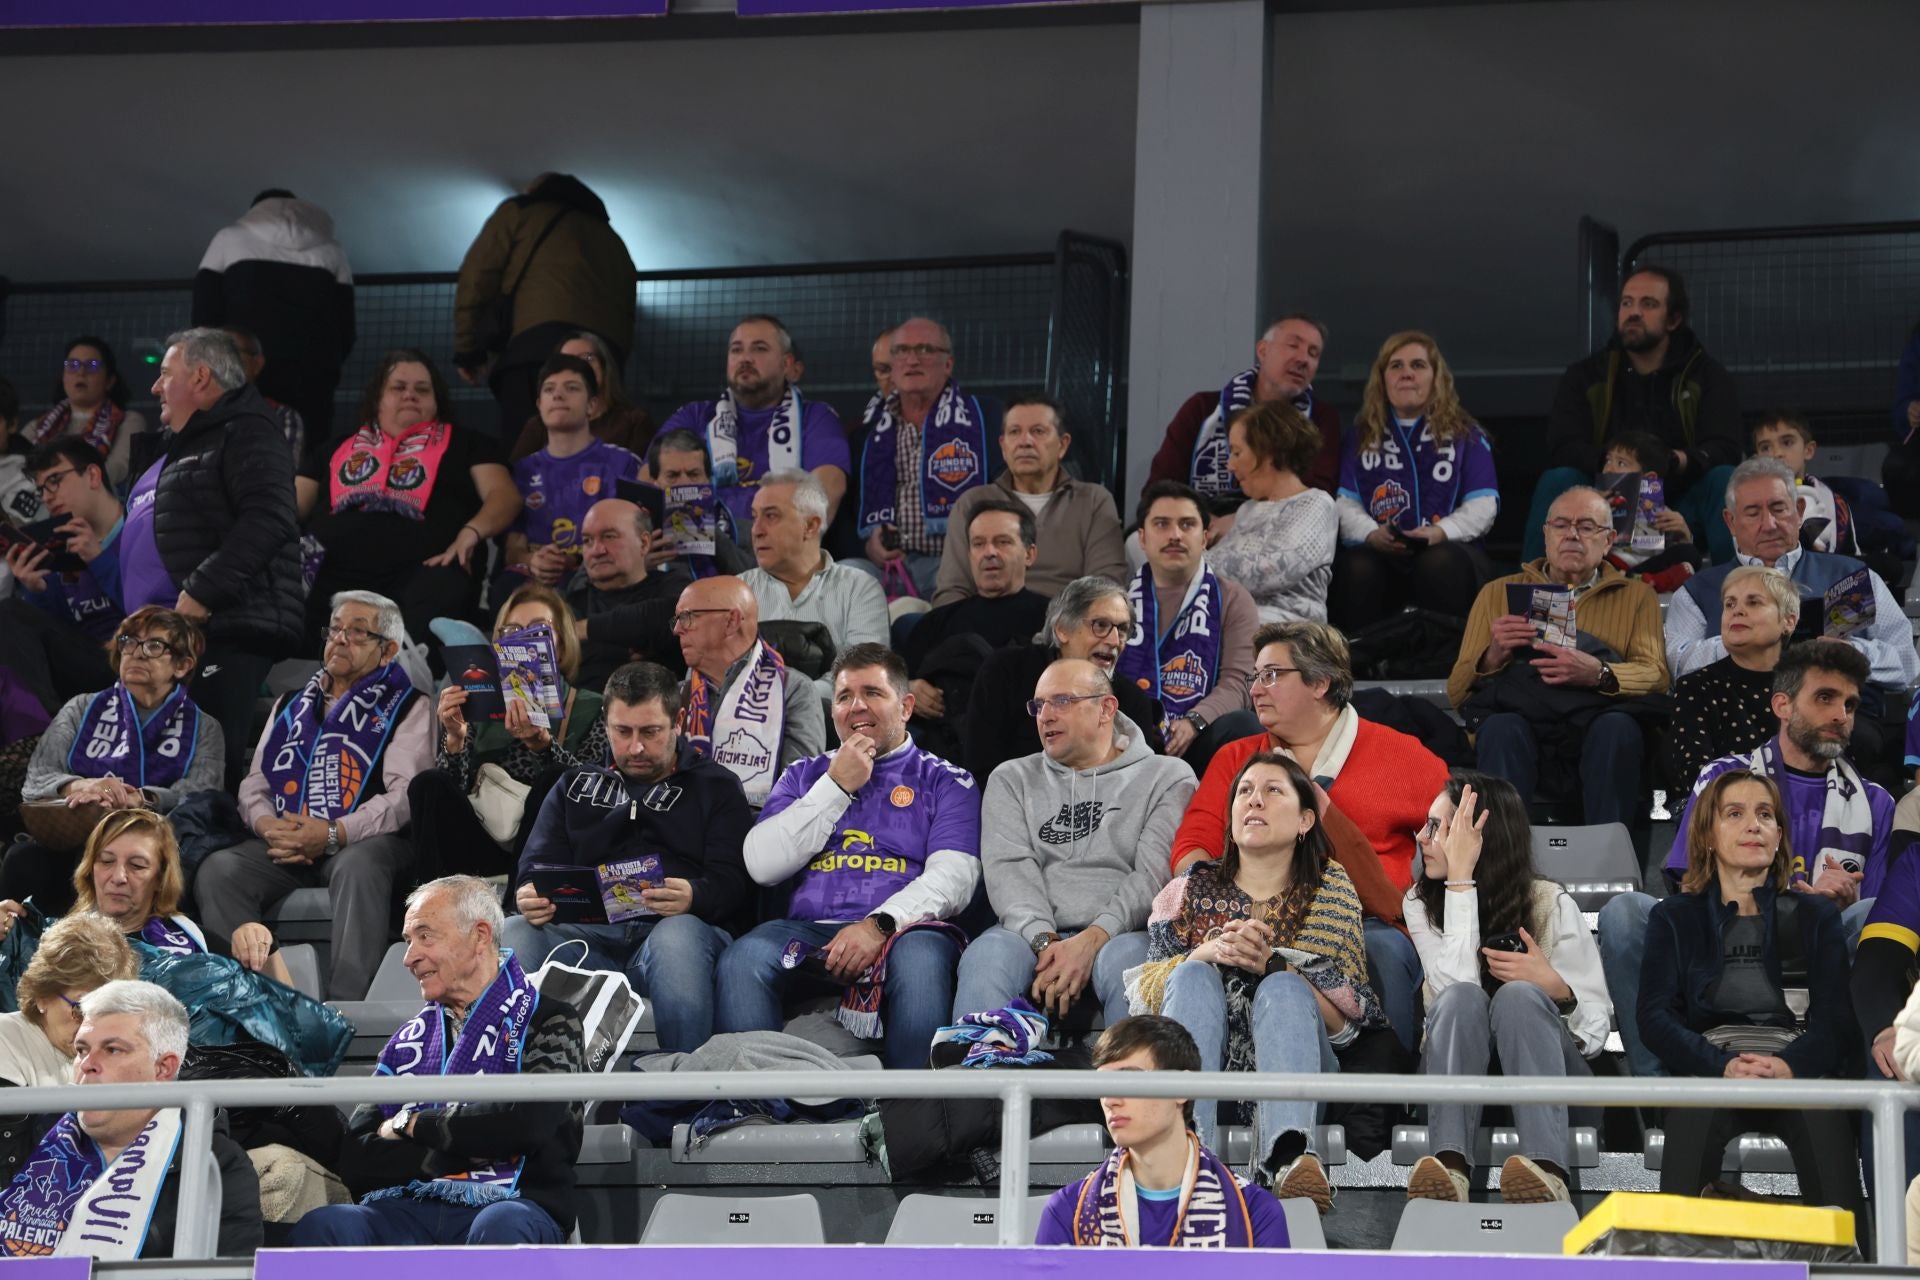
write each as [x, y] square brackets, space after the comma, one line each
[1398, 534]
[890, 538]
[1505, 942]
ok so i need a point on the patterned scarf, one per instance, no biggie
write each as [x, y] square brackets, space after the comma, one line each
[100, 432]
[1000, 1037]
[321, 767]
[1181, 667]
[748, 724]
[68, 1201]
[105, 741]
[953, 459]
[490, 1043]
[373, 471]
[1207, 470]
[783, 438]
[1213, 1206]
[859, 1010]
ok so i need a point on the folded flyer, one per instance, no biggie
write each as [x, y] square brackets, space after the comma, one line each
[1849, 607]
[1548, 608]
[692, 519]
[520, 664]
[606, 894]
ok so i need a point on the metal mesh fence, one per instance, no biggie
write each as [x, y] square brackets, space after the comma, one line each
[1813, 317]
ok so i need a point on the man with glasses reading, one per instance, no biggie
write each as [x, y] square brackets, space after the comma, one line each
[326, 798]
[1556, 718]
[926, 444]
[1075, 842]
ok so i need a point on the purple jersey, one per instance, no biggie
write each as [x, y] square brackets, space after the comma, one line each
[1805, 795]
[143, 575]
[1896, 908]
[914, 804]
[823, 443]
[1411, 479]
[1913, 735]
[1160, 1213]
[558, 491]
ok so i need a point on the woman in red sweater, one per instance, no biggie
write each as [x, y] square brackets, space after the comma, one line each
[1377, 777]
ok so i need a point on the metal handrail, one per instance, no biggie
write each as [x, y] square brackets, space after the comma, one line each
[1813, 231]
[1885, 1102]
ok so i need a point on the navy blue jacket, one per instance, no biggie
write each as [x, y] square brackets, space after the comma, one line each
[696, 819]
[1681, 963]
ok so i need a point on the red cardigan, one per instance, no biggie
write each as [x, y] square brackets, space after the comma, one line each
[1388, 783]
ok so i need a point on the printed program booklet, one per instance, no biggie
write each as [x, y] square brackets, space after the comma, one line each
[606, 894]
[1548, 608]
[1849, 608]
[1635, 501]
[521, 664]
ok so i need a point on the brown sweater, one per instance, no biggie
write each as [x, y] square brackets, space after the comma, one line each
[1621, 612]
[1079, 534]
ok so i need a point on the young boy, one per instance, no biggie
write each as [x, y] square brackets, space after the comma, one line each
[1643, 453]
[561, 481]
[1160, 1187]
[1785, 437]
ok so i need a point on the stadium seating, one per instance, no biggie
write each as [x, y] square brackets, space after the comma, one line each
[936, 1220]
[1437, 1226]
[729, 1219]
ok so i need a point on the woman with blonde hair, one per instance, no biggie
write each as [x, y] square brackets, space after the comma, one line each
[471, 812]
[1417, 493]
[1726, 708]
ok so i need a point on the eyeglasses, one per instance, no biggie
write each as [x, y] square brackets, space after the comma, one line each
[1585, 528]
[683, 620]
[51, 481]
[1059, 701]
[73, 1006]
[1429, 831]
[83, 366]
[355, 636]
[1267, 677]
[1104, 627]
[927, 349]
[151, 647]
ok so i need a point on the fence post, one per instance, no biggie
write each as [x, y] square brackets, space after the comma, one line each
[195, 1234]
[1889, 1180]
[1015, 1120]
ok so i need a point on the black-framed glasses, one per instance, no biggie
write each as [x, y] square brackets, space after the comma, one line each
[1267, 677]
[51, 481]
[1585, 528]
[1430, 831]
[684, 619]
[925, 349]
[149, 647]
[355, 636]
[83, 366]
[1104, 627]
[1059, 701]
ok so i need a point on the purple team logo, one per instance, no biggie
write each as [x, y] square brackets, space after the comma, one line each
[1183, 676]
[953, 464]
[1389, 502]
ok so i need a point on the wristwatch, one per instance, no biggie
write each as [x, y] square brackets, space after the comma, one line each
[884, 923]
[1608, 682]
[1198, 721]
[333, 839]
[1041, 941]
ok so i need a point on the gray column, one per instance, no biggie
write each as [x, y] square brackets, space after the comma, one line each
[1196, 210]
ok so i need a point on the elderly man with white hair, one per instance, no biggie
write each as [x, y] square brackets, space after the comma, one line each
[326, 798]
[104, 1183]
[796, 580]
[473, 1172]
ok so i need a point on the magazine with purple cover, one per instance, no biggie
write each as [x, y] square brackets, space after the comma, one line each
[692, 519]
[530, 671]
[621, 883]
[1849, 606]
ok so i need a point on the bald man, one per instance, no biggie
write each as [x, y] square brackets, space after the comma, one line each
[744, 708]
[623, 597]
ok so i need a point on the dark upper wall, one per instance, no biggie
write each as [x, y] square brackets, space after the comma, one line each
[738, 149]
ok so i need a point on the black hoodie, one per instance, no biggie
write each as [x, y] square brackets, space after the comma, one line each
[1652, 403]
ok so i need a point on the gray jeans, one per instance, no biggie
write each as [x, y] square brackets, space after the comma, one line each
[1466, 1028]
[242, 884]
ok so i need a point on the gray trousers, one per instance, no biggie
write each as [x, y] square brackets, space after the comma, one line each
[242, 884]
[1466, 1028]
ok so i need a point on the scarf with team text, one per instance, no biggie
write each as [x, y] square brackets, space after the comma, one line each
[68, 1200]
[105, 741]
[320, 765]
[1213, 1206]
[743, 732]
[953, 459]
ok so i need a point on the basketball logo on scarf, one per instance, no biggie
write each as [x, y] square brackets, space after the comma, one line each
[337, 788]
[1184, 676]
[1210, 473]
[953, 464]
[1389, 502]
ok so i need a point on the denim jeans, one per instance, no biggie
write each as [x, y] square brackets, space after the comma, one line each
[669, 960]
[1288, 1036]
[914, 1005]
[1397, 976]
[404, 1220]
[1465, 1029]
[1611, 753]
[998, 965]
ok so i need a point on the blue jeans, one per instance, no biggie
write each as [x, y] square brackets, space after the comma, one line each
[1288, 1036]
[998, 965]
[1397, 976]
[915, 1004]
[669, 960]
[922, 569]
[403, 1220]
[1700, 506]
[1610, 758]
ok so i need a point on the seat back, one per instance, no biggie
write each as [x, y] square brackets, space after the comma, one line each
[1303, 1224]
[958, 1220]
[679, 1218]
[303, 966]
[1442, 1226]
[1594, 863]
[391, 981]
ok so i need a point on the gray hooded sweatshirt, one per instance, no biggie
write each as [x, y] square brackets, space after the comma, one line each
[1063, 849]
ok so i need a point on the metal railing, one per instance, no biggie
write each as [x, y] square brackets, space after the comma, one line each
[1886, 1104]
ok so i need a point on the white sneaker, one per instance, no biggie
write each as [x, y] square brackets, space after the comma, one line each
[1524, 1182]
[1432, 1180]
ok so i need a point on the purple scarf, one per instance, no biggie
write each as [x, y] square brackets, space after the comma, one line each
[105, 741]
[859, 1010]
[1411, 479]
[749, 722]
[953, 459]
[1181, 667]
[490, 1043]
[42, 1206]
[1213, 1210]
[100, 432]
[1207, 468]
[162, 934]
[321, 767]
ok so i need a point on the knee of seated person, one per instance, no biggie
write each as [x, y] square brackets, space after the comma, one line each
[1624, 911]
[512, 1222]
[1455, 1000]
[1518, 996]
[1284, 990]
[1191, 977]
[1389, 948]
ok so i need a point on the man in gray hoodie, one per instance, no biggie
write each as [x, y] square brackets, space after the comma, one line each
[1075, 843]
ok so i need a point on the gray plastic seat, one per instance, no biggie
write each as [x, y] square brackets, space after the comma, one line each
[303, 966]
[1746, 1153]
[1236, 1142]
[305, 915]
[679, 1218]
[1075, 1144]
[1596, 863]
[837, 1142]
[1303, 1224]
[958, 1220]
[1492, 1146]
[605, 1144]
[1440, 1226]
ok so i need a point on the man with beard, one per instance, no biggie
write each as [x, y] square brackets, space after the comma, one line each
[761, 424]
[1653, 376]
[1837, 822]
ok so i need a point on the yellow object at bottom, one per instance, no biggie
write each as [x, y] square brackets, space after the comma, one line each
[1691, 1215]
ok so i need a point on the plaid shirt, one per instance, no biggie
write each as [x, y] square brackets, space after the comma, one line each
[910, 514]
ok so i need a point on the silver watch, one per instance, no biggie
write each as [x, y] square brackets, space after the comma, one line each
[1041, 941]
[333, 839]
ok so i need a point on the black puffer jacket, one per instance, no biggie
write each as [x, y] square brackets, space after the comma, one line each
[226, 523]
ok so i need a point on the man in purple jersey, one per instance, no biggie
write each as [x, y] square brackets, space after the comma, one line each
[881, 844]
[560, 483]
[761, 424]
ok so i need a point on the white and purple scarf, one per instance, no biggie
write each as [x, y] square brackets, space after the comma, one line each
[743, 732]
[100, 433]
[1207, 469]
[1180, 667]
[491, 1042]
[321, 767]
[1846, 819]
[105, 741]
[1008, 1037]
[723, 438]
[860, 1003]
[69, 1201]
[953, 459]
[1213, 1206]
